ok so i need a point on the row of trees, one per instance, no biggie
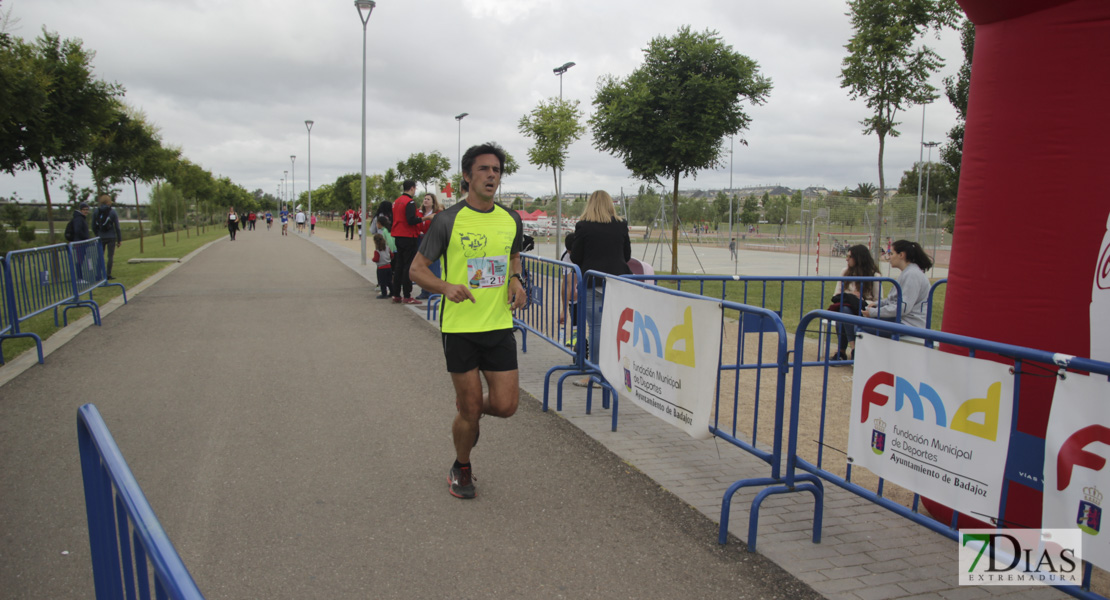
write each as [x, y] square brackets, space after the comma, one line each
[56, 115]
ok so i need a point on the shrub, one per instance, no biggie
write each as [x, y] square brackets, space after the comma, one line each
[27, 233]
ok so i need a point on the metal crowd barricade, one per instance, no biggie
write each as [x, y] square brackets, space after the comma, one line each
[9, 324]
[749, 355]
[1020, 356]
[90, 273]
[46, 278]
[125, 536]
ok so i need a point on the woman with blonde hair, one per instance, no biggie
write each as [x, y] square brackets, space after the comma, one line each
[601, 243]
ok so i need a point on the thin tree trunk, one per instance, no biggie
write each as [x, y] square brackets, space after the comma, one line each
[558, 212]
[49, 206]
[877, 244]
[138, 214]
[674, 228]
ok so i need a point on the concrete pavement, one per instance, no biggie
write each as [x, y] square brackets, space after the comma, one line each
[292, 434]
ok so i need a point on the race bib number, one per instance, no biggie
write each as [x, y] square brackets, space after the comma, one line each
[487, 272]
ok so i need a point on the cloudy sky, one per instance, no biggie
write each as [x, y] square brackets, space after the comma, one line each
[232, 81]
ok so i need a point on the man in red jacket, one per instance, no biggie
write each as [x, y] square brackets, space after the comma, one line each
[406, 233]
[349, 224]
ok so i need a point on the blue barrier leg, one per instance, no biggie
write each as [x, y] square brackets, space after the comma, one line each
[814, 488]
[34, 336]
[547, 382]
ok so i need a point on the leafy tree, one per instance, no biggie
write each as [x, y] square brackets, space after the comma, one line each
[422, 168]
[343, 196]
[886, 71]
[668, 119]
[942, 181]
[129, 149]
[391, 184]
[957, 89]
[750, 214]
[56, 108]
[75, 193]
[554, 125]
[774, 211]
[165, 202]
[12, 214]
[864, 192]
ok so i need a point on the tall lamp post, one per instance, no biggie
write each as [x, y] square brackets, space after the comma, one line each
[285, 188]
[308, 124]
[920, 155]
[293, 178]
[559, 190]
[365, 7]
[925, 219]
[459, 117]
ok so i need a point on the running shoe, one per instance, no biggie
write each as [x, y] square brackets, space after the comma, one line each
[412, 301]
[396, 299]
[460, 483]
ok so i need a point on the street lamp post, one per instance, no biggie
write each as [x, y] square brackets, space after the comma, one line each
[930, 146]
[459, 118]
[559, 190]
[365, 7]
[308, 124]
[731, 151]
[285, 188]
[920, 155]
[293, 178]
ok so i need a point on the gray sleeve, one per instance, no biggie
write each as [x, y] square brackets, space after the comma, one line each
[435, 241]
[915, 293]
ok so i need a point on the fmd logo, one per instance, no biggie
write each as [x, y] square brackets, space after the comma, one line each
[645, 333]
[905, 393]
[1102, 274]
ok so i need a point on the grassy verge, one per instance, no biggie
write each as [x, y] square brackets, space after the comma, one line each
[129, 275]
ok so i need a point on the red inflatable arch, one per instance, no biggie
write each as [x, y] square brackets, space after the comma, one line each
[1031, 252]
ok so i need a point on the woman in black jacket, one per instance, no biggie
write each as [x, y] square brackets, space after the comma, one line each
[601, 243]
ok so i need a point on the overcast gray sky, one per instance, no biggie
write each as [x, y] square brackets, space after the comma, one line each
[232, 82]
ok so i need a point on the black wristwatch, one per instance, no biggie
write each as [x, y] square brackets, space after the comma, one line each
[518, 277]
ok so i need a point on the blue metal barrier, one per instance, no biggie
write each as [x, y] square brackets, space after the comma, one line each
[125, 536]
[9, 324]
[932, 292]
[1020, 356]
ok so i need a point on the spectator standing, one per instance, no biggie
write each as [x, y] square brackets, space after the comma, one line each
[406, 231]
[383, 258]
[479, 242]
[251, 218]
[300, 220]
[79, 225]
[349, 224]
[312, 225]
[601, 244]
[106, 226]
[232, 222]
[732, 249]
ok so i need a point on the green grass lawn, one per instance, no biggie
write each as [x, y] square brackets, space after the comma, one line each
[129, 275]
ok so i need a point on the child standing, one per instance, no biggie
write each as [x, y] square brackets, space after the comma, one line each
[382, 257]
[313, 225]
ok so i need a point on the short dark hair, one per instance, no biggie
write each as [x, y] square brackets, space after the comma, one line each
[474, 152]
[408, 184]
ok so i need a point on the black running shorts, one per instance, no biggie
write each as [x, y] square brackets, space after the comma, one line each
[487, 351]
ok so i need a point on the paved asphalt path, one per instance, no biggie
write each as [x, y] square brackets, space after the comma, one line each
[292, 433]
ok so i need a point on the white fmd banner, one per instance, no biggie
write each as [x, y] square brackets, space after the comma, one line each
[662, 351]
[932, 422]
[1076, 476]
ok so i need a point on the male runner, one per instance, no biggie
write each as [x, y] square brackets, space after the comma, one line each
[284, 222]
[479, 242]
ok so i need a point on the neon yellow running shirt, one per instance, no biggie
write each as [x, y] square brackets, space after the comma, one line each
[477, 249]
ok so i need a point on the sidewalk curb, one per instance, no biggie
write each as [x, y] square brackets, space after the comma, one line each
[29, 358]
